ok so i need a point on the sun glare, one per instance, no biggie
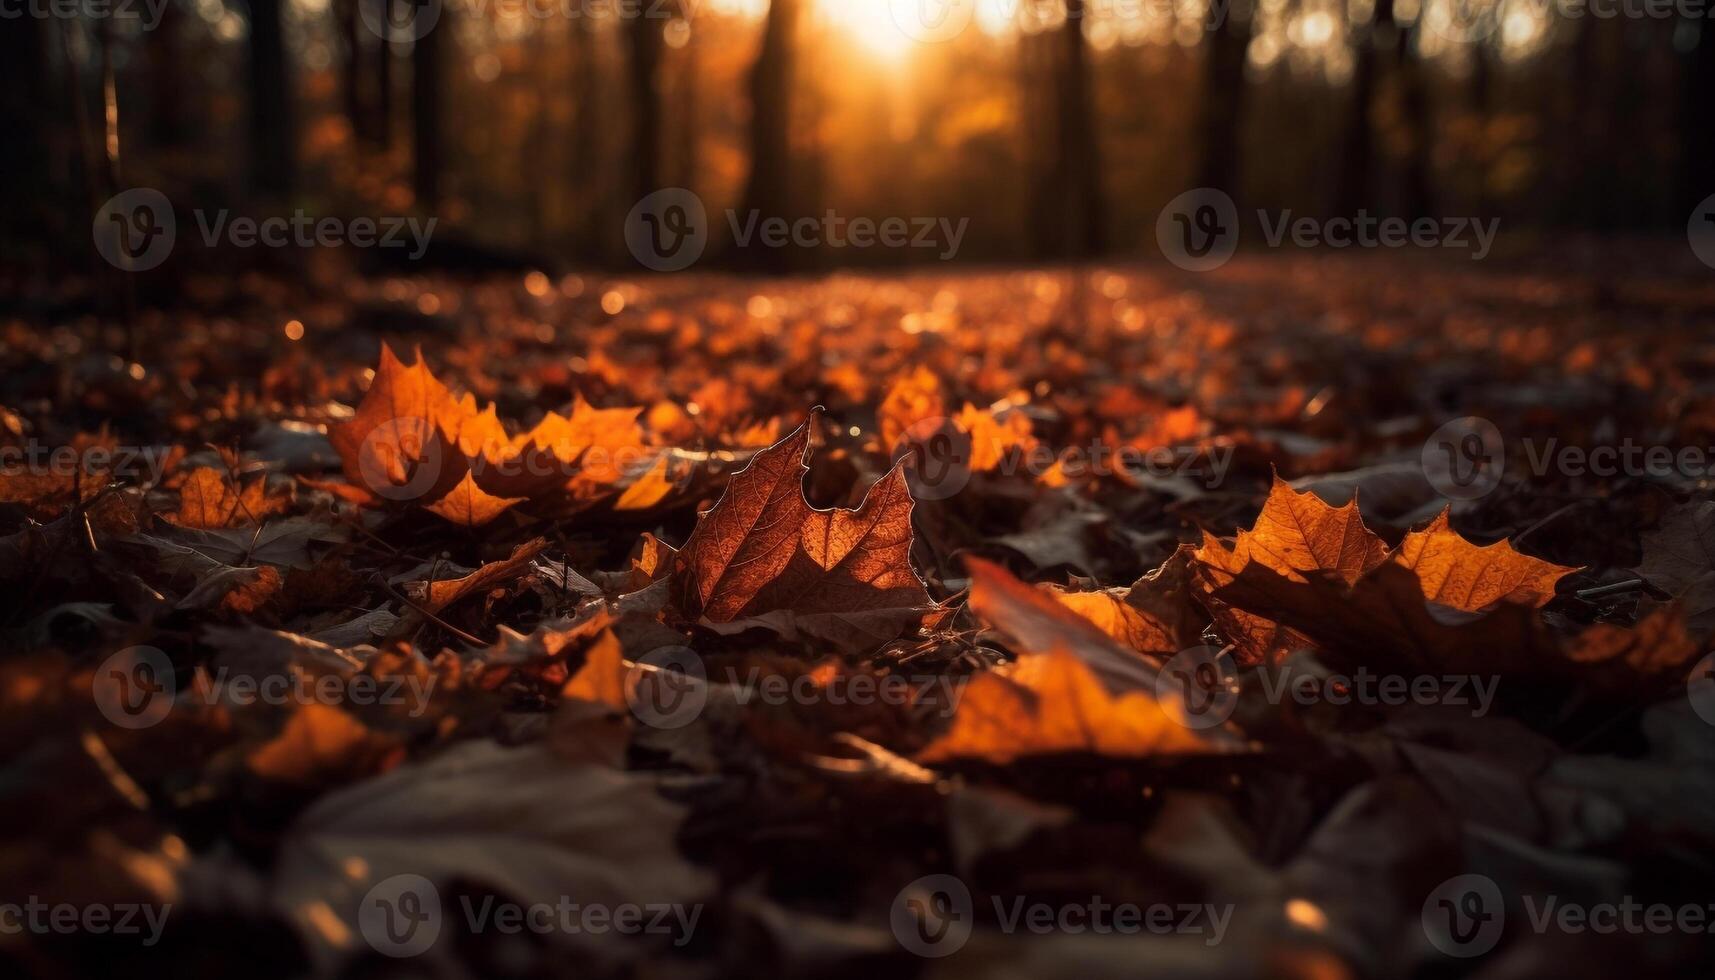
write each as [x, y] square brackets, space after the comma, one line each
[868, 24]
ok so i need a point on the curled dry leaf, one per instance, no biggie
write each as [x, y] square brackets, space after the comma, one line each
[762, 556]
[1053, 702]
[1298, 540]
[1039, 621]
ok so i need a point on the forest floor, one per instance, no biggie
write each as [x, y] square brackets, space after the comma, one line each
[1015, 622]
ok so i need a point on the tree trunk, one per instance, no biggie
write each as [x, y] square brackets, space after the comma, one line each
[169, 111]
[426, 111]
[25, 107]
[643, 63]
[273, 145]
[352, 68]
[1697, 123]
[768, 191]
[1221, 137]
[1357, 157]
[1417, 193]
[381, 128]
[1077, 163]
[686, 136]
[586, 132]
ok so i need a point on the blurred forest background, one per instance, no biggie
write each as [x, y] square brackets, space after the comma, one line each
[1060, 127]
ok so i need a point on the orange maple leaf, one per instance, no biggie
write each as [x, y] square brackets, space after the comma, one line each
[1308, 574]
[762, 556]
[1052, 702]
[208, 500]
[411, 440]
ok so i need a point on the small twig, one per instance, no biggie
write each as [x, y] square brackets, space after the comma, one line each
[1539, 525]
[431, 617]
[1616, 588]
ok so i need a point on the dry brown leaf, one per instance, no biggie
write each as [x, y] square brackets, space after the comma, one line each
[601, 680]
[1301, 539]
[1454, 572]
[763, 556]
[468, 505]
[1297, 533]
[649, 489]
[413, 441]
[402, 443]
[1052, 702]
[1124, 624]
[208, 500]
[1679, 557]
[1037, 622]
[436, 596]
[320, 744]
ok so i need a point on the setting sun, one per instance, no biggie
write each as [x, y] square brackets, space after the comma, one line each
[869, 24]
